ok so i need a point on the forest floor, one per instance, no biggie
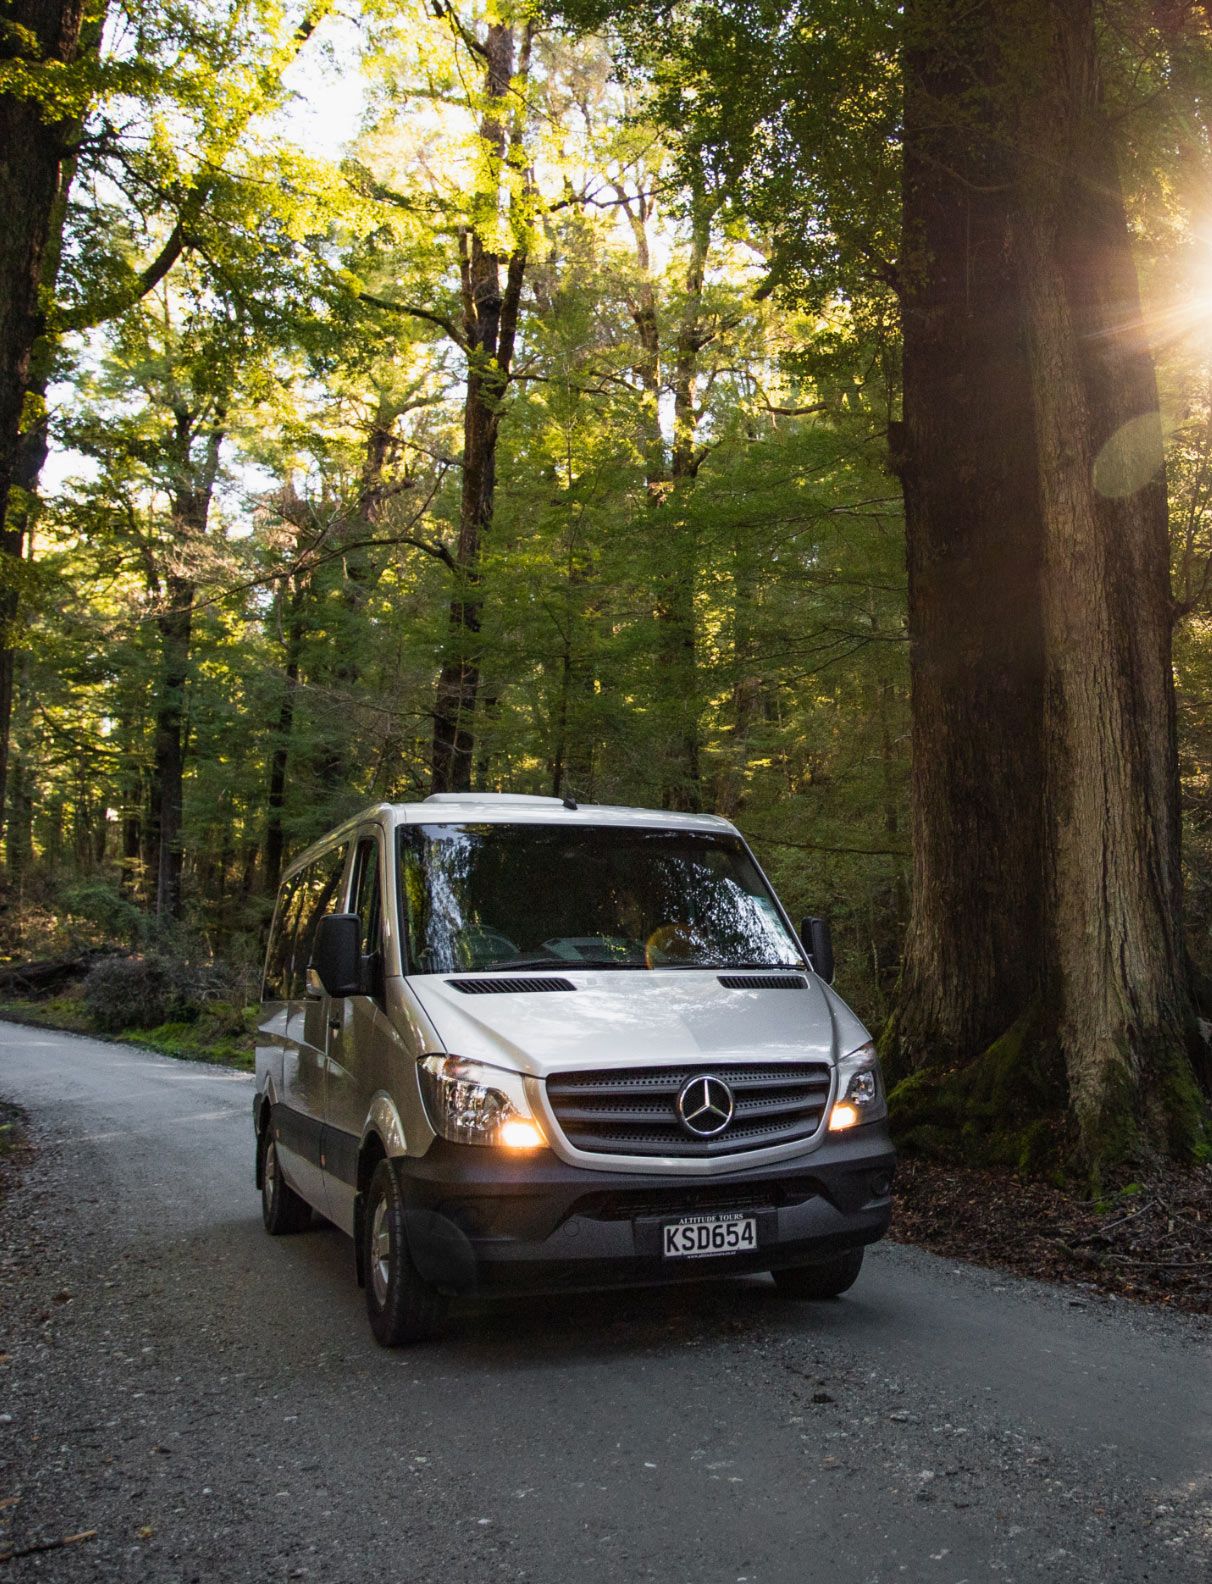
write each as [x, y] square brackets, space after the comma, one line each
[15, 1148]
[1150, 1240]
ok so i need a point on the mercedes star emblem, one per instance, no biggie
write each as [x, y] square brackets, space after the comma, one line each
[705, 1106]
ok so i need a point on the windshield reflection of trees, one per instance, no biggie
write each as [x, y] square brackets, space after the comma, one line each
[483, 897]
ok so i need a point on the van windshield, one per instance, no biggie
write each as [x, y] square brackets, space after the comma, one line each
[494, 896]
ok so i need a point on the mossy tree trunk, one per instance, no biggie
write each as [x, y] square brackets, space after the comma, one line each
[1045, 781]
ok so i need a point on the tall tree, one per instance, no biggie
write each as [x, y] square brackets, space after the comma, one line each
[491, 280]
[36, 117]
[39, 115]
[1073, 657]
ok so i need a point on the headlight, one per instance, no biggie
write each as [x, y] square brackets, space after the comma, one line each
[471, 1104]
[860, 1090]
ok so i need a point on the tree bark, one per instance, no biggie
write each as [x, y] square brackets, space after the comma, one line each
[490, 321]
[36, 168]
[1044, 794]
[1111, 764]
[966, 457]
[32, 151]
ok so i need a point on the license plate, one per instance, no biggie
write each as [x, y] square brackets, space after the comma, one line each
[706, 1235]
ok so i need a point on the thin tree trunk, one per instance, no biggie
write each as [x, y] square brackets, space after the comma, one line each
[490, 319]
[19, 842]
[275, 837]
[675, 551]
[191, 512]
[356, 573]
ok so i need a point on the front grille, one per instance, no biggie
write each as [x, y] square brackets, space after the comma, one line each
[628, 1203]
[495, 986]
[632, 1110]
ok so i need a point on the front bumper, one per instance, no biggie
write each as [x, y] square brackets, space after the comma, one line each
[481, 1222]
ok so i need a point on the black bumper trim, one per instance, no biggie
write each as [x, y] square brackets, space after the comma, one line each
[477, 1220]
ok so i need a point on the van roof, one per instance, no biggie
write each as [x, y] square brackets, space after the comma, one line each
[522, 807]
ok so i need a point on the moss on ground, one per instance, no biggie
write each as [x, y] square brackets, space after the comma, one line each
[1006, 1108]
[221, 1034]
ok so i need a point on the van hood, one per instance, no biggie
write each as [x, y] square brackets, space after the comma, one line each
[621, 1018]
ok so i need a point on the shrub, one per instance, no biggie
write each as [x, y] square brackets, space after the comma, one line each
[132, 992]
[143, 992]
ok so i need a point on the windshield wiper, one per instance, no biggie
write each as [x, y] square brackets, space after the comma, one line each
[795, 967]
[523, 962]
[569, 964]
[718, 967]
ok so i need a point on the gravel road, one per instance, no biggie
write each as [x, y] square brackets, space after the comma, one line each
[210, 1401]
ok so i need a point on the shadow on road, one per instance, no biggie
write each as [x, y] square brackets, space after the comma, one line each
[305, 1287]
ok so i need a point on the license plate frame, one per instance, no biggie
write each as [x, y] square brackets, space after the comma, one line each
[716, 1235]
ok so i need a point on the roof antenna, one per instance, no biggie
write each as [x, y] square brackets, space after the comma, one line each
[569, 801]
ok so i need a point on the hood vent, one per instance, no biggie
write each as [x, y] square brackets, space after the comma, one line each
[763, 981]
[500, 985]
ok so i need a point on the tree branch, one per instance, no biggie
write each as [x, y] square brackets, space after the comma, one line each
[444, 324]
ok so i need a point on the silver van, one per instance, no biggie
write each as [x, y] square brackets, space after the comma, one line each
[513, 1044]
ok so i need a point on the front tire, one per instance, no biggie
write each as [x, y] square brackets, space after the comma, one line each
[829, 1280]
[282, 1210]
[400, 1304]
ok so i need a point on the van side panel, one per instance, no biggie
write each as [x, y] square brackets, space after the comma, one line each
[374, 1053]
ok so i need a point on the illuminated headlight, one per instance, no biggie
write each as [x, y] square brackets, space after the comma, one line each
[471, 1104]
[860, 1091]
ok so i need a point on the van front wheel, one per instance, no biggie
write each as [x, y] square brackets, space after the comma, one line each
[401, 1305]
[829, 1280]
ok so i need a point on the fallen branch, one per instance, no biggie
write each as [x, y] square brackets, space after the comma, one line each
[49, 1545]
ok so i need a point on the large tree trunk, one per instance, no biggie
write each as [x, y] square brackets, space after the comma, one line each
[967, 462]
[35, 169]
[1111, 766]
[490, 319]
[1044, 806]
[32, 150]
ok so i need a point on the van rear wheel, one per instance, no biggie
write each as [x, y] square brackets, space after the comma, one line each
[400, 1304]
[828, 1280]
[282, 1210]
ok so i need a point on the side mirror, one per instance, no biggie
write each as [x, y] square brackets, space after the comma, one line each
[818, 943]
[337, 956]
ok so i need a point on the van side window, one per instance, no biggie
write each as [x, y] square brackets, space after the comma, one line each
[277, 955]
[318, 893]
[367, 904]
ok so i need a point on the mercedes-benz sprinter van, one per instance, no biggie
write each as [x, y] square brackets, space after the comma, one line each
[513, 1044]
